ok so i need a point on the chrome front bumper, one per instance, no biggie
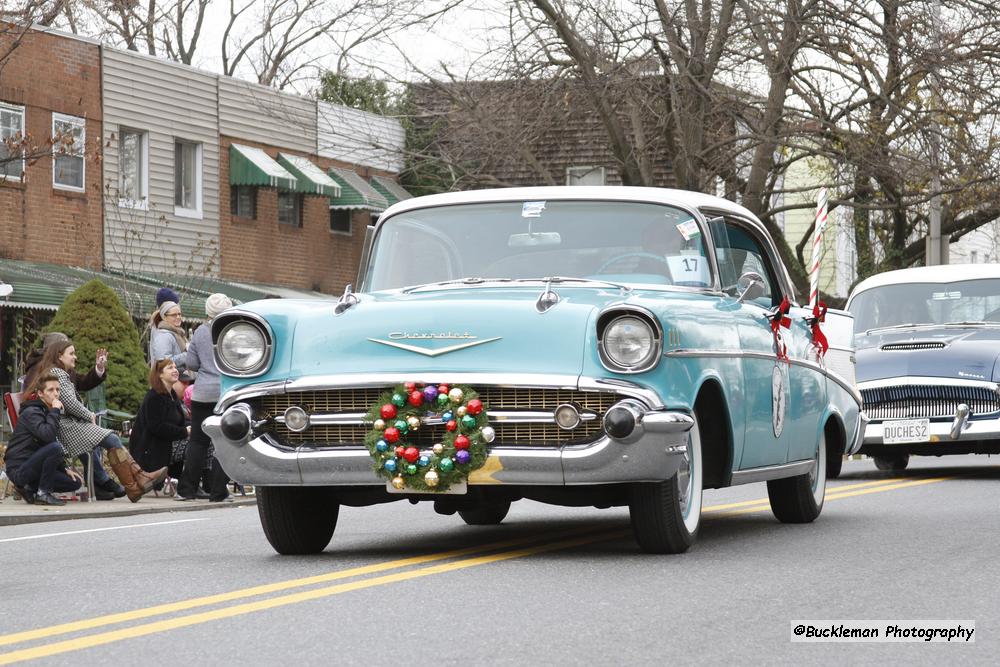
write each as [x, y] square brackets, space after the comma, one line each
[943, 432]
[652, 453]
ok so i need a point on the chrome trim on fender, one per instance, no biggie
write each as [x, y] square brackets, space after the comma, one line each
[859, 433]
[693, 352]
[765, 473]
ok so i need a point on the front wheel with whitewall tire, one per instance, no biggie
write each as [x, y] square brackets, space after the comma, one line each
[666, 515]
[298, 519]
[799, 499]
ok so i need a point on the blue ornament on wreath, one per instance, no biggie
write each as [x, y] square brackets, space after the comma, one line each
[447, 416]
[382, 446]
[390, 465]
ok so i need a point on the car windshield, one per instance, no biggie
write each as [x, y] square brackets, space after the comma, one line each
[613, 241]
[927, 303]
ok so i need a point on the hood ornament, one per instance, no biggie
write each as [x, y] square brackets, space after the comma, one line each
[346, 301]
[547, 298]
[395, 336]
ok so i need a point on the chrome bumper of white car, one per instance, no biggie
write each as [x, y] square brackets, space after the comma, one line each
[651, 451]
[943, 432]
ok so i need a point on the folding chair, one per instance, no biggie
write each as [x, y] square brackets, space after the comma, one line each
[12, 405]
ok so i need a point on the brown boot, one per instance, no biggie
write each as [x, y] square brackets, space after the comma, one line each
[137, 482]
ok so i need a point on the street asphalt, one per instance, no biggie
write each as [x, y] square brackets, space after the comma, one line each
[568, 586]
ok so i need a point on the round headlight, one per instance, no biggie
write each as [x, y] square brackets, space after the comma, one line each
[242, 346]
[629, 342]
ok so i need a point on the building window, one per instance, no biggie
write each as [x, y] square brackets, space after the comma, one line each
[243, 201]
[290, 209]
[340, 220]
[584, 175]
[11, 132]
[69, 135]
[187, 179]
[132, 168]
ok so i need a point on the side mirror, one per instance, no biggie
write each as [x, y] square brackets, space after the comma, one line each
[750, 286]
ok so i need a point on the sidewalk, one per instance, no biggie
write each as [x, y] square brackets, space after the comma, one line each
[15, 512]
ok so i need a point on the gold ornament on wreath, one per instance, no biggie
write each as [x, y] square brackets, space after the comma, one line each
[397, 419]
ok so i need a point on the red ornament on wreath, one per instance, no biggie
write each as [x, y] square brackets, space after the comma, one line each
[411, 454]
[399, 451]
[391, 434]
[388, 411]
[462, 442]
[442, 389]
[451, 425]
[416, 398]
[474, 407]
[409, 386]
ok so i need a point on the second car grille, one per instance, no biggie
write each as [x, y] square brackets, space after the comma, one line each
[917, 401]
[494, 398]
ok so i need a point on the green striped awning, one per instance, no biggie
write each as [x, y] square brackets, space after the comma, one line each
[355, 192]
[311, 179]
[252, 166]
[390, 189]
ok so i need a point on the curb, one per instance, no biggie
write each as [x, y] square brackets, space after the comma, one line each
[135, 509]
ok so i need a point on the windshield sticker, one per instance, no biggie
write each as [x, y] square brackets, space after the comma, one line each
[688, 229]
[532, 209]
[688, 270]
[946, 296]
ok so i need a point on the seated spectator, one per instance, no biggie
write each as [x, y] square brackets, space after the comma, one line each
[34, 457]
[80, 434]
[161, 420]
[83, 383]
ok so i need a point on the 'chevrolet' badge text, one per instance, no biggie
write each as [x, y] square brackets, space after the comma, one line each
[396, 338]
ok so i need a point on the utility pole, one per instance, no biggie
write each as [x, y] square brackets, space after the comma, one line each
[937, 250]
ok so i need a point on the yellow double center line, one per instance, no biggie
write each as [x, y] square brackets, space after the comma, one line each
[573, 538]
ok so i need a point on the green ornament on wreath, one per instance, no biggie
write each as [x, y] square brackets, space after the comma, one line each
[404, 410]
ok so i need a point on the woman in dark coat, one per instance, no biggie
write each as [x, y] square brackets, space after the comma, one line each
[161, 418]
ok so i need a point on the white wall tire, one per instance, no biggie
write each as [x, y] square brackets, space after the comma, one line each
[800, 499]
[666, 515]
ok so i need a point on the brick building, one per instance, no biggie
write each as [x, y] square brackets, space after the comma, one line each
[50, 206]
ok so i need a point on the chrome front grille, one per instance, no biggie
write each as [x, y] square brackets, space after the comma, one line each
[919, 401]
[360, 400]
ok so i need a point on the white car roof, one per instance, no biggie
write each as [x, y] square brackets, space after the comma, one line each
[595, 192]
[944, 273]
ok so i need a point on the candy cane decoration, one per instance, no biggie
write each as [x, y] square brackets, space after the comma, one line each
[820, 227]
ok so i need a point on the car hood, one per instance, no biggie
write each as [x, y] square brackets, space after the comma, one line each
[969, 353]
[460, 330]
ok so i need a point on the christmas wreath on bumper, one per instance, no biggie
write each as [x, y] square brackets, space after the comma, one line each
[408, 407]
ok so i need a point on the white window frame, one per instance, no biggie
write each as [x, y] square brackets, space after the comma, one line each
[141, 204]
[18, 109]
[180, 211]
[584, 171]
[82, 148]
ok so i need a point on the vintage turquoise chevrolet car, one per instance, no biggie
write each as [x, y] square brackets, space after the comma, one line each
[617, 347]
